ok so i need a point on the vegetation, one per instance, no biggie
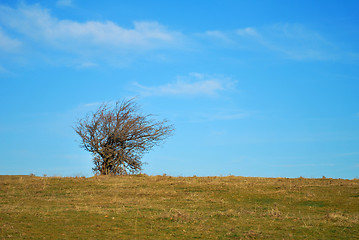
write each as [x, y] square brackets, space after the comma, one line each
[163, 207]
[118, 136]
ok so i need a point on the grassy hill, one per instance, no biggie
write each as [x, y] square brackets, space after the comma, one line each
[163, 207]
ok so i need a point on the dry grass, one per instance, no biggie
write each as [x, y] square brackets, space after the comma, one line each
[163, 207]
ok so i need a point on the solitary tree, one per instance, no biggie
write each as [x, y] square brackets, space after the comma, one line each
[119, 135]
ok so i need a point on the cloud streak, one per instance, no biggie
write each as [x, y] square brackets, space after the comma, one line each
[217, 35]
[38, 24]
[294, 41]
[251, 32]
[8, 44]
[298, 42]
[193, 85]
[38, 30]
[64, 3]
[228, 115]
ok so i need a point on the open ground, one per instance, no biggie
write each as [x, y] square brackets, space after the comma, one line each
[164, 207]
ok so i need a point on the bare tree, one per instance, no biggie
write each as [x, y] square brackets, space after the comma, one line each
[119, 135]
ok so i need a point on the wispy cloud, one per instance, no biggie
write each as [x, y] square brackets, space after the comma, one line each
[217, 35]
[7, 43]
[3, 70]
[90, 105]
[306, 165]
[228, 115]
[37, 23]
[36, 28]
[248, 31]
[232, 116]
[87, 65]
[293, 41]
[192, 85]
[349, 154]
[64, 3]
[298, 42]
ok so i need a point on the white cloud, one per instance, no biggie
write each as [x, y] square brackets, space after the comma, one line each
[231, 36]
[87, 65]
[218, 35]
[222, 114]
[3, 70]
[64, 3]
[294, 31]
[92, 104]
[108, 40]
[207, 87]
[233, 116]
[7, 43]
[247, 32]
[37, 23]
[307, 165]
[298, 42]
[194, 84]
[349, 154]
[293, 41]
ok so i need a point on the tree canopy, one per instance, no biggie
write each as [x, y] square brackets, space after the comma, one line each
[118, 135]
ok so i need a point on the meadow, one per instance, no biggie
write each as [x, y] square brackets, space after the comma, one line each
[164, 207]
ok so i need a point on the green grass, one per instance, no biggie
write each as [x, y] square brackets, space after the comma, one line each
[163, 207]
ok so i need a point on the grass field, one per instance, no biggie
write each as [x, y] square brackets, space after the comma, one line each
[163, 207]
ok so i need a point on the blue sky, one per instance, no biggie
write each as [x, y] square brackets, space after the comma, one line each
[254, 88]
